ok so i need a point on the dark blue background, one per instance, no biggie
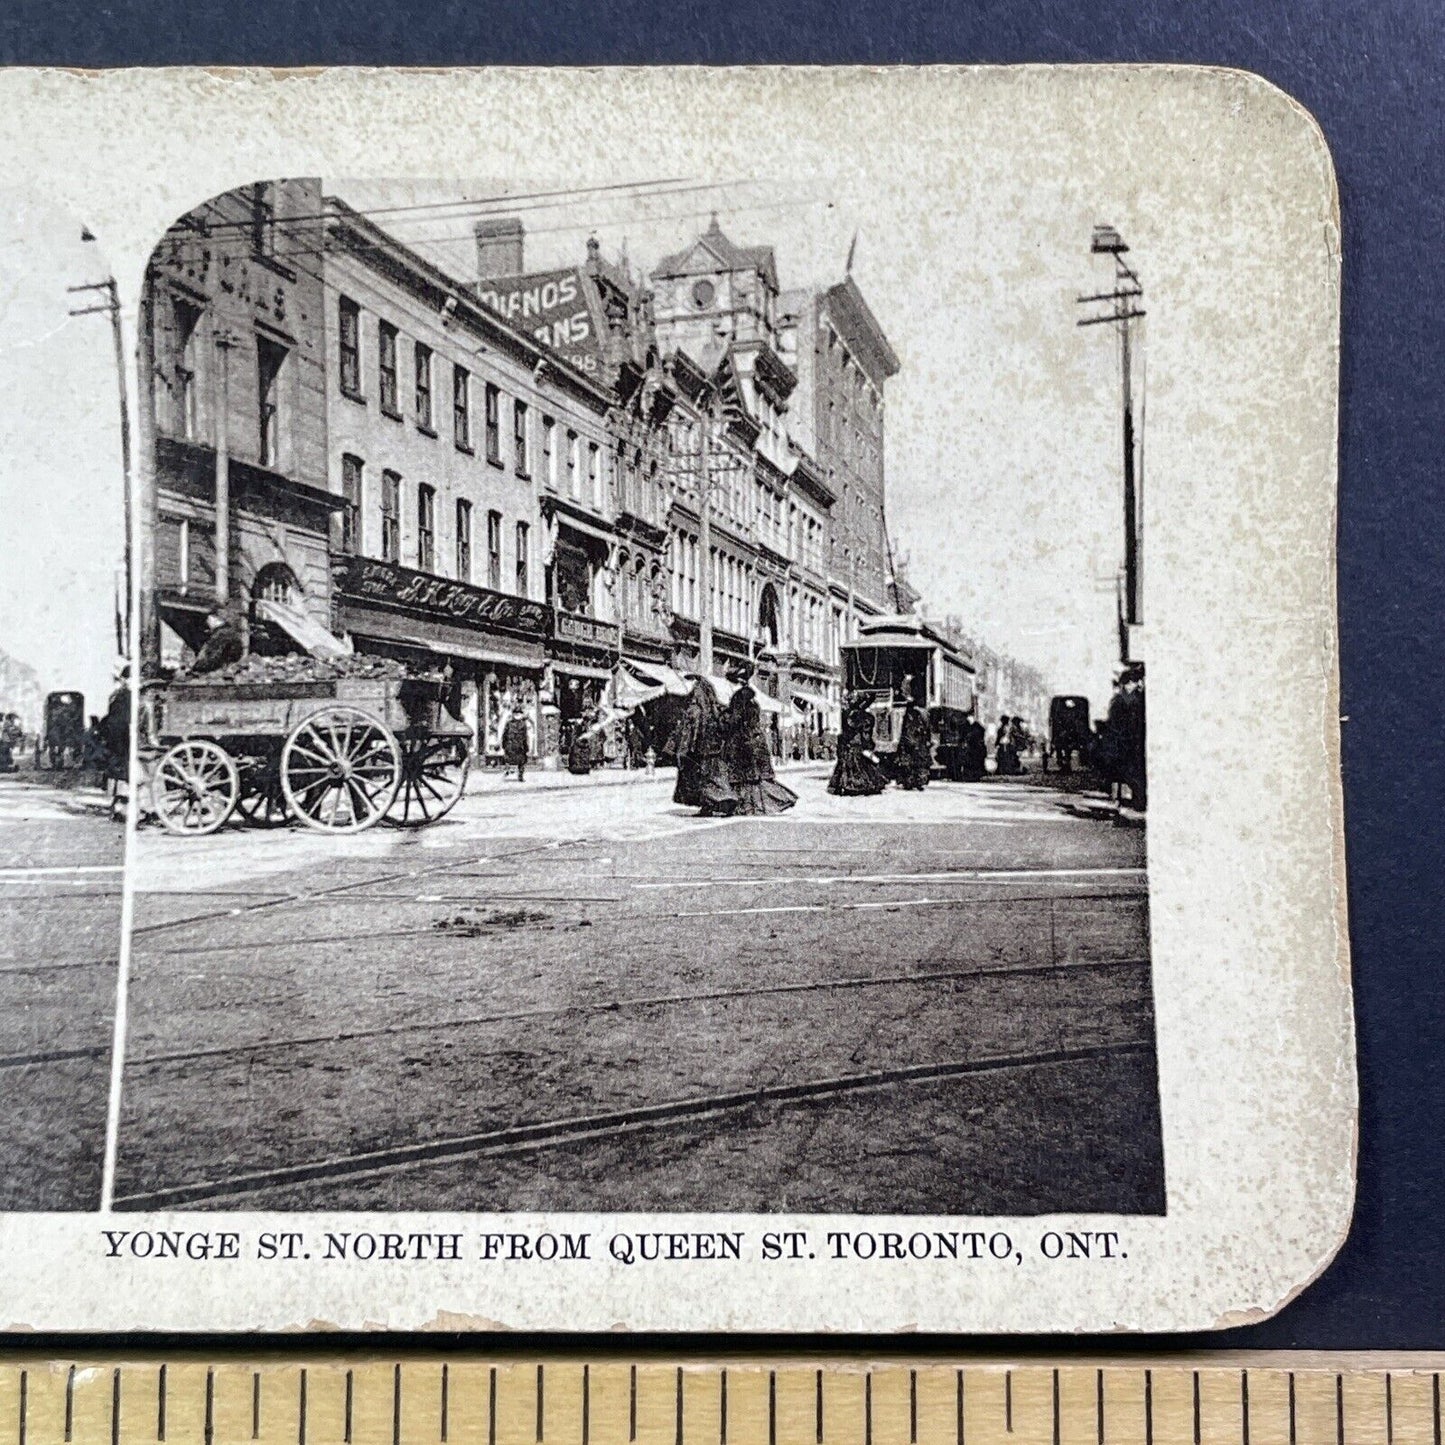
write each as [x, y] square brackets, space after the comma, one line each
[1372, 72]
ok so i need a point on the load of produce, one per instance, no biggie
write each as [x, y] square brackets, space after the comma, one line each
[300, 667]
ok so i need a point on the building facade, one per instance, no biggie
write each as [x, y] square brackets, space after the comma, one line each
[473, 464]
[232, 458]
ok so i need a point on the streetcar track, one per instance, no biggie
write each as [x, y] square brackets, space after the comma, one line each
[15, 966]
[649, 1001]
[526, 1138]
[53, 1056]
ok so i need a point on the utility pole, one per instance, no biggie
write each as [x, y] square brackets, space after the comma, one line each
[708, 413]
[149, 643]
[225, 340]
[1123, 308]
[110, 304]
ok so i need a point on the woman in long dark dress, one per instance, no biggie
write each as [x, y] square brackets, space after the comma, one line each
[702, 775]
[749, 761]
[915, 743]
[856, 775]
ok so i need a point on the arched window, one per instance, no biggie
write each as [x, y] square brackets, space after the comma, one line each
[276, 582]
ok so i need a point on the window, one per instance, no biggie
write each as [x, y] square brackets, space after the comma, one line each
[263, 218]
[594, 474]
[549, 458]
[523, 551]
[494, 551]
[270, 358]
[494, 427]
[462, 407]
[423, 387]
[390, 517]
[350, 318]
[426, 500]
[573, 487]
[464, 541]
[351, 473]
[519, 438]
[386, 367]
[187, 320]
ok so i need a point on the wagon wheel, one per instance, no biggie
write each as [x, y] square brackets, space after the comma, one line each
[339, 770]
[433, 779]
[194, 787]
[264, 805]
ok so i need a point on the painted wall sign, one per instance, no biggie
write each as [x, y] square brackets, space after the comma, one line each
[551, 306]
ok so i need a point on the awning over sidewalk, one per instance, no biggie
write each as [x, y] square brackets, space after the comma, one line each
[443, 639]
[302, 629]
[659, 674]
[582, 669]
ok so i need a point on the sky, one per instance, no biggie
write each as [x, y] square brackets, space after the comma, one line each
[61, 484]
[1002, 436]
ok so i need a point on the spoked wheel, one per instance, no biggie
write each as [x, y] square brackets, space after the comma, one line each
[264, 805]
[194, 787]
[433, 778]
[339, 770]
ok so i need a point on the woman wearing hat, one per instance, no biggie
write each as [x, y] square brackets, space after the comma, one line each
[702, 775]
[749, 762]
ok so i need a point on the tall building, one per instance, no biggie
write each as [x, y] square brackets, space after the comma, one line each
[843, 361]
[232, 457]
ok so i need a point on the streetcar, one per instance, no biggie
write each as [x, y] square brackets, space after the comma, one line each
[1069, 732]
[889, 650]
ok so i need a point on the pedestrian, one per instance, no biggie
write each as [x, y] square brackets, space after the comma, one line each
[579, 755]
[1126, 731]
[636, 743]
[749, 759]
[1005, 749]
[914, 759]
[515, 746]
[857, 774]
[702, 777]
[975, 752]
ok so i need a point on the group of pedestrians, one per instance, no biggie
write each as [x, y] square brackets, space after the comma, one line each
[724, 763]
[857, 773]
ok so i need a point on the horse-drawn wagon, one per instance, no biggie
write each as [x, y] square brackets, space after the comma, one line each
[336, 746]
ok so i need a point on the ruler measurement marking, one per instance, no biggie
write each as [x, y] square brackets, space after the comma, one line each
[24, 1401]
[868, 1408]
[70, 1403]
[161, 1403]
[396, 1407]
[346, 1410]
[255, 1404]
[492, 1406]
[540, 1398]
[1056, 1407]
[1008, 1401]
[446, 1402]
[586, 1403]
[301, 1408]
[632, 1405]
[722, 1410]
[208, 1429]
[913, 1407]
[958, 1406]
[1148, 1407]
[817, 1409]
[1389, 1410]
[1244, 1404]
[115, 1406]
[1339, 1410]
[1435, 1405]
[1099, 1404]
[772, 1407]
[1291, 1409]
[677, 1408]
[1196, 1407]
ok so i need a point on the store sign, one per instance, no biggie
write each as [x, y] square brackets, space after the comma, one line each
[551, 306]
[370, 580]
[588, 631]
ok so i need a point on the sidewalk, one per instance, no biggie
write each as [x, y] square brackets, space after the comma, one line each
[543, 780]
[70, 789]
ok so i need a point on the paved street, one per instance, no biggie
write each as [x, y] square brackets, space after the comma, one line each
[60, 915]
[578, 996]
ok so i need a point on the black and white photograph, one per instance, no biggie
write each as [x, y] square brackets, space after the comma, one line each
[642, 705]
[65, 705]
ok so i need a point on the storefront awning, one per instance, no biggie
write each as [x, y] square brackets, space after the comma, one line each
[442, 639]
[304, 630]
[659, 674]
[581, 669]
[593, 531]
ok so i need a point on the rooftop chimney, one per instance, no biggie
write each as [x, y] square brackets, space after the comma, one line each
[499, 247]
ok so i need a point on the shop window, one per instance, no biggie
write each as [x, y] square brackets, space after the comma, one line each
[462, 408]
[349, 316]
[426, 501]
[424, 417]
[494, 551]
[351, 475]
[270, 359]
[390, 517]
[386, 368]
[494, 424]
[464, 541]
[524, 545]
[520, 460]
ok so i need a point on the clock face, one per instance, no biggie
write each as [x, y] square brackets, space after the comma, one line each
[702, 294]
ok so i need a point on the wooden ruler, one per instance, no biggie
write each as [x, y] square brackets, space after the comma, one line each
[466, 1399]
